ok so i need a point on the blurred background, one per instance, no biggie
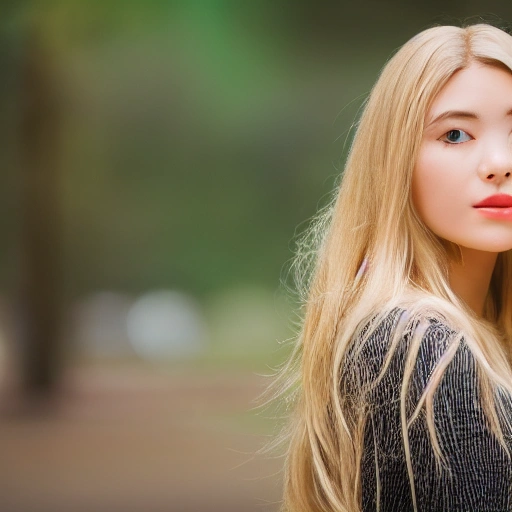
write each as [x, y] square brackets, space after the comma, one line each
[158, 159]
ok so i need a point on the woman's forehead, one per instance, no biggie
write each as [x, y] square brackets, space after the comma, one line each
[473, 92]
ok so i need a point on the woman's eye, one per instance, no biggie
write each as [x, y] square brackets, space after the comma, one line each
[456, 137]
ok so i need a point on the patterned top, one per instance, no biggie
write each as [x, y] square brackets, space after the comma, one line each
[480, 472]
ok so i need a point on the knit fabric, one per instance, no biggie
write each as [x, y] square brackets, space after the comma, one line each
[479, 477]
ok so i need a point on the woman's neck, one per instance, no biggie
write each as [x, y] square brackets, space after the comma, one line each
[470, 279]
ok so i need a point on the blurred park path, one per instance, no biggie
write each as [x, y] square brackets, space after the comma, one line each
[132, 439]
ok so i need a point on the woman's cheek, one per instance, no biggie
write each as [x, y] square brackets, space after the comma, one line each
[435, 188]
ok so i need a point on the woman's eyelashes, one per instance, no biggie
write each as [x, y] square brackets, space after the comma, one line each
[456, 137]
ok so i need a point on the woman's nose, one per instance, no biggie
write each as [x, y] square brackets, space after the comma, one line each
[496, 167]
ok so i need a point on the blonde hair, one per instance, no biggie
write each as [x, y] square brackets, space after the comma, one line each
[372, 223]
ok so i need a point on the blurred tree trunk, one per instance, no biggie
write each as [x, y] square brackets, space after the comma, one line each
[40, 263]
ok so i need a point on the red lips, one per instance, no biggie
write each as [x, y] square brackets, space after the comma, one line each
[496, 201]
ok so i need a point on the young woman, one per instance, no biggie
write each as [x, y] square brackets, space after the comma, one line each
[401, 381]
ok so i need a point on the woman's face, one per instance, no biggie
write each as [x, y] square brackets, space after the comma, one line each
[462, 181]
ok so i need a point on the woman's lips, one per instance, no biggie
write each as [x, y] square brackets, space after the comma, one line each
[496, 201]
[497, 207]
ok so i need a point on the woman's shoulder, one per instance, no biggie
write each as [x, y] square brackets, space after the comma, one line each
[395, 328]
[418, 371]
[390, 340]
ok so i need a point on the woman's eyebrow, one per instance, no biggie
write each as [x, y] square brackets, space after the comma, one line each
[460, 114]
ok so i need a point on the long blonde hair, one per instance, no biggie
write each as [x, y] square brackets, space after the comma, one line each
[372, 254]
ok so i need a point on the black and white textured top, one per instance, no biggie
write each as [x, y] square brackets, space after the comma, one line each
[480, 471]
